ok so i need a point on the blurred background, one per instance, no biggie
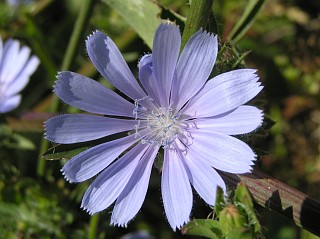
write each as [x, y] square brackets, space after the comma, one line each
[283, 43]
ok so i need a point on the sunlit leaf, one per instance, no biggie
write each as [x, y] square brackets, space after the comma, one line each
[141, 15]
[203, 227]
[242, 195]
[242, 199]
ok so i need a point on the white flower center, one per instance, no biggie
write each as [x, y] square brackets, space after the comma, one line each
[162, 125]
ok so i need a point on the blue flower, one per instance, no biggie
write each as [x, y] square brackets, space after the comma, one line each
[16, 67]
[173, 107]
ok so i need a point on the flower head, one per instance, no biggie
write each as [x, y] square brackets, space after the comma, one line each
[16, 67]
[173, 107]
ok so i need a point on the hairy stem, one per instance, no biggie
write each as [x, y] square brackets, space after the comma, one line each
[197, 18]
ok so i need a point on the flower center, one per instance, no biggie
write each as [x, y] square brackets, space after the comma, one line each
[162, 125]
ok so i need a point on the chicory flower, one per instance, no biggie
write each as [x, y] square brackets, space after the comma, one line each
[16, 67]
[173, 106]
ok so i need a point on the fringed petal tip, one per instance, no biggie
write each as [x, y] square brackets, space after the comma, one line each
[45, 128]
[87, 210]
[166, 22]
[145, 59]
[66, 176]
[179, 226]
[117, 224]
[93, 33]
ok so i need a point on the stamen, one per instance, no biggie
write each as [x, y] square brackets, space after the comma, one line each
[162, 125]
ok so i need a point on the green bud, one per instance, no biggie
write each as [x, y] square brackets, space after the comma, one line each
[232, 222]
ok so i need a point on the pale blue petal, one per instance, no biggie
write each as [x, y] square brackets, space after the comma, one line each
[221, 151]
[21, 80]
[90, 162]
[107, 58]
[224, 93]
[242, 120]
[8, 104]
[131, 198]
[147, 79]
[20, 60]
[165, 52]
[1, 49]
[105, 189]
[89, 95]
[194, 67]
[176, 189]
[9, 56]
[204, 179]
[75, 128]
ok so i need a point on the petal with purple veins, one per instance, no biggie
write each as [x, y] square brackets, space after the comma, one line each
[105, 189]
[89, 95]
[165, 53]
[224, 93]
[107, 58]
[176, 189]
[91, 161]
[131, 198]
[194, 67]
[75, 128]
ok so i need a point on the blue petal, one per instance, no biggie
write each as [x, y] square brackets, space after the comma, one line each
[221, 151]
[242, 120]
[194, 67]
[9, 56]
[176, 189]
[224, 93]
[1, 47]
[107, 58]
[105, 189]
[147, 79]
[130, 200]
[22, 77]
[75, 128]
[204, 179]
[9, 103]
[165, 52]
[90, 162]
[89, 95]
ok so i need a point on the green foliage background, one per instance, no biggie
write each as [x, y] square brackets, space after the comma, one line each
[282, 41]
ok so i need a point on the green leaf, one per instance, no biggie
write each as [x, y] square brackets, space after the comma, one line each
[243, 201]
[246, 20]
[10, 139]
[243, 196]
[203, 227]
[220, 202]
[231, 219]
[62, 152]
[68, 151]
[141, 15]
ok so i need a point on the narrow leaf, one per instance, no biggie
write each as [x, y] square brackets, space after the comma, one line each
[246, 20]
[220, 202]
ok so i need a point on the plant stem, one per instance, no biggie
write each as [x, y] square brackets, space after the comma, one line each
[77, 33]
[94, 220]
[198, 17]
[275, 195]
